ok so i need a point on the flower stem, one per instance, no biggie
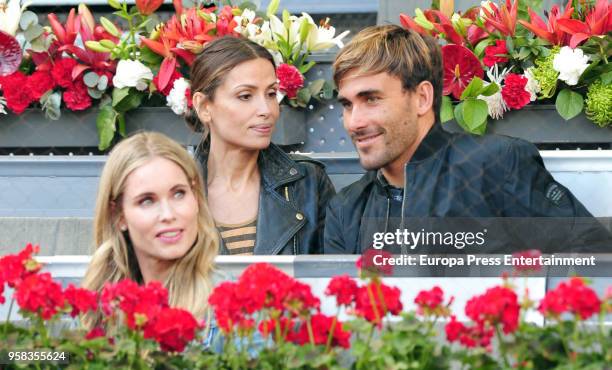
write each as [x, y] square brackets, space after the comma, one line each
[502, 347]
[8, 317]
[310, 333]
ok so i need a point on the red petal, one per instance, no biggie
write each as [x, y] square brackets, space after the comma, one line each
[577, 38]
[165, 72]
[573, 26]
[78, 69]
[408, 23]
[10, 54]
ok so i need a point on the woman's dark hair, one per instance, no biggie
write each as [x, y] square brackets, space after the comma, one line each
[209, 69]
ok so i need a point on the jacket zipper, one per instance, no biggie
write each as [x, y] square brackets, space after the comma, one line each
[295, 236]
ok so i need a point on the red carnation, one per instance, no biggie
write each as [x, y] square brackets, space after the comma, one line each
[375, 300]
[492, 53]
[514, 93]
[17, 96]
[39, 83]
[290, 79]
[16, 267]
[460, 67]
[344, 288]
[81, 300]
[189, 98]
[165, 91]
[172, 328]
[76, 96]
[322, 327]
[62, 71]
[38, 293]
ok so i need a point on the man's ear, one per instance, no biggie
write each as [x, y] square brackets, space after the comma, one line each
[425, 97]
[200, 104]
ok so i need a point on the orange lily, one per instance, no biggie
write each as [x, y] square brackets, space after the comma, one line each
[550, 32]
[598, 21]
[503, 19]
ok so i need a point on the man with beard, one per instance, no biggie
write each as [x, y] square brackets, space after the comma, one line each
[390, 86]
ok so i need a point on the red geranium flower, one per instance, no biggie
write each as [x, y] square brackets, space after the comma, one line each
[514, 93]
[2, 300]
[375, 300]
[17, 96]
[287, 325]
[10, 54]
[172, 328]
[532, 255]
[430, 302]
[498, 305]
[454, 329]
[321, 326]
[573, 296]
[62, 71]
[492, 53]
[81, 300]
[290, 79]
[16, 267]
[39, 83]
[344, 288]
[460, 67]
[76, 96]
[139, 303]
[369, 264]
[39, 294]
[227, 305]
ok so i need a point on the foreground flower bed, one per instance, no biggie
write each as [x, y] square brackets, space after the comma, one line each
[266, 319]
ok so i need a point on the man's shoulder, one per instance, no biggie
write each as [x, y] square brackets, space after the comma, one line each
[355, 192]
[490, 144]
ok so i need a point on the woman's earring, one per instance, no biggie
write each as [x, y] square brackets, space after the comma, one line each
[123, 228]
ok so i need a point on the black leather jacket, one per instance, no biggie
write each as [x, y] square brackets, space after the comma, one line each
[294, 194]
[456, 175]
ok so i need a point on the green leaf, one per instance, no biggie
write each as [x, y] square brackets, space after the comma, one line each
[132, 101]
[474, 113]
[94, 93]
[328, 91]
[119, 95]
[459, 116]
[27, 19]
[248, 5]
[91, 79]
[121, 120]
[316, 86]
[114, 4]
[272, 7]
[479, 49]
[606, 78]
[490, 89]
[105, 122]
[306, 67]
[108, 44]
[50, 103]
[473, 89]
[509, 44]
[96, 46]
[103, 83]
[524, 53]
[569, 104]
[446, 111]
[303, 95]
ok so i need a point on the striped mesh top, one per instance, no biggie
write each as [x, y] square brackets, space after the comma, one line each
[239, 239]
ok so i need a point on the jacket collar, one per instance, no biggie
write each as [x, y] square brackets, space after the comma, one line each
[275, 166]
[435, 139]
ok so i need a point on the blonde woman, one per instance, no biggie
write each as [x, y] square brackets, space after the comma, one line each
[152, 223]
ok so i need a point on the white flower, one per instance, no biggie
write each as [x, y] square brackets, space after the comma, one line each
[9, 15]
[495, 103]
[322, 37]
[176, 99]
[533, 86]
[244, 20]
[132, 73]
[570, 63]
[2, 104]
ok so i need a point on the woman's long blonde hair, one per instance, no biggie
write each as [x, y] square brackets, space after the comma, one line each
[189, 281]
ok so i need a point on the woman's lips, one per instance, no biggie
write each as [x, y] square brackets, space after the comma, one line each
[262, 129]
[170, 237]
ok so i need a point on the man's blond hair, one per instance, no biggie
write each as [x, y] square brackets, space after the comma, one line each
[399, 52]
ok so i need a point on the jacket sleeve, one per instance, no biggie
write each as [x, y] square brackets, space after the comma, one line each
[530, 191]
[326, 193]
[334, 242]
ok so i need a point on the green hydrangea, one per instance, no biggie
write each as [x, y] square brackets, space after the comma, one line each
[599, 103]
[545, 74]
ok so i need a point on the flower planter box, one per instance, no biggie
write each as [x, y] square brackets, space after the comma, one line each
[291, 126]
[541, 124]
[78, 129]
